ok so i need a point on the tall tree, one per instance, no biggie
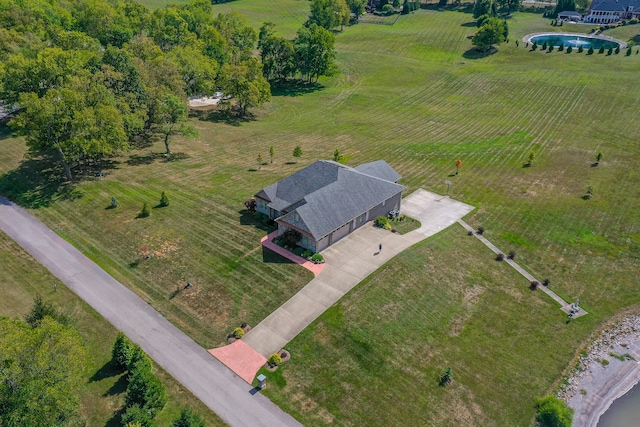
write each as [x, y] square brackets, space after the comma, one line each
[79, 121]
[315, 52]
[240, 38]
[246, 84]
[357, 7]
[198, 71]
[483, 7]
[329, 14]
[565, 5]
[278, 58]
[510, 5]
[174, 115]
[41, 372]
[492, 32]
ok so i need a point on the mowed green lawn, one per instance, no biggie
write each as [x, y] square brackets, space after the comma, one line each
[413, 95]
[23, 279]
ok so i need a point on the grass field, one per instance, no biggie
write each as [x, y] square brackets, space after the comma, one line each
[415, 95]
[103, 394]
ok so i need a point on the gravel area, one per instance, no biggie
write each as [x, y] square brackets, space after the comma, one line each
[600, 376]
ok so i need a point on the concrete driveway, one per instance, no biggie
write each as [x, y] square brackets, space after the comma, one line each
[348, 262]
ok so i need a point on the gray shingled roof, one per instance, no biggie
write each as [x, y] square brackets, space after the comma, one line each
[615, 5]
[379, 169]
[326, 195]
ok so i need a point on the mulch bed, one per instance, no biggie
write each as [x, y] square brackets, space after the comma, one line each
[284, 354]
[245, 327]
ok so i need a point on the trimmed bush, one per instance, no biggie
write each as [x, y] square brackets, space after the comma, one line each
[383, 222]
[138, 360]
[546, 282]
[535, 46]
[629, 51]
[610, 51]
[544, 45]
[164, 200]
[188, 418]
[561, 47]
[480, 230]
[601, 50]
[569, 49]
[617, 51]
[550, 48]
[290, 237]
[145, 212]
[387, 9]
[122, 350]
[114, 203]
[317, 258]
[590, 51]
[135, 415]
[580, 49]
[534, 285]
[512, 254]
[307, 253]
[500, 257]
[275, 359]
[553, 412]
[238, 333]
[146, 391]
[298, 251]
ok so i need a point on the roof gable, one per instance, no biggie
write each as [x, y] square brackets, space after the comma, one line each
[615, 5]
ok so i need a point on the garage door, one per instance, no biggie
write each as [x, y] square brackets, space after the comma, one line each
[339, 233]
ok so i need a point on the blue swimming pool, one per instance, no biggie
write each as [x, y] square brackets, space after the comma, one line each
[575, 40]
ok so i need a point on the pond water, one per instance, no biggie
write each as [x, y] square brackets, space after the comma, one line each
[575, 40]
[623, 412]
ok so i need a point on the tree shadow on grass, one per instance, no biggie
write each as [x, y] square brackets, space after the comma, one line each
[222, 115]
[119, 387]
[108, 370]
[476, 54]
[469, 24]
[295, 88]
[38, 182]
[116, 420]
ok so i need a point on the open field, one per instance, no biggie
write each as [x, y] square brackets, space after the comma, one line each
[391, 338]
[412, 94]
[23, 279]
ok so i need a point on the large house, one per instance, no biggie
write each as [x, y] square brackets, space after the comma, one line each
[327, 200]
[610, 11]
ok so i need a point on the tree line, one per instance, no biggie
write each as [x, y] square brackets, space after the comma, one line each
[92, 76]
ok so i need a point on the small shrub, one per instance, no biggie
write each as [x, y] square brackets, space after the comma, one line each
[617, 51]
[580, 49]
[317, 258]
[632, 21]
[298, 251]
[383, 222]
[188, 418]
[550, 48]
[250, 204]
[275, 359]
[629, 50]
[500, 257]
[610, 51]
[42, 309]
[121, 352]
[534, 46]
[291, 237]
[561, 47]
[551, 411]
[114, 203]
[164, 200]
[307, 253]
[601, 50]
[145, 212]
[569, 49]
[387, 9]
[135, 415]
[590, 51]
[546, 282]
[512, 254]
[469, 233]
[238, 333]
[534, 285]
[480, 230]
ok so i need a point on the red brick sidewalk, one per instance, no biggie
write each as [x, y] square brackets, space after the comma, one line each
[267, 243]
[241, 359]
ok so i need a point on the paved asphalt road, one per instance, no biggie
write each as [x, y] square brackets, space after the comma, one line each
[209, 380]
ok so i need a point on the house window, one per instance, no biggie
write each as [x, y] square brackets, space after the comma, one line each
[296, 217]
[362, 217]
[305, 240]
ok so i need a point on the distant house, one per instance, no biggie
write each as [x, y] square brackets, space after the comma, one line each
[610, 11]
[327, 200]
[570, 16]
